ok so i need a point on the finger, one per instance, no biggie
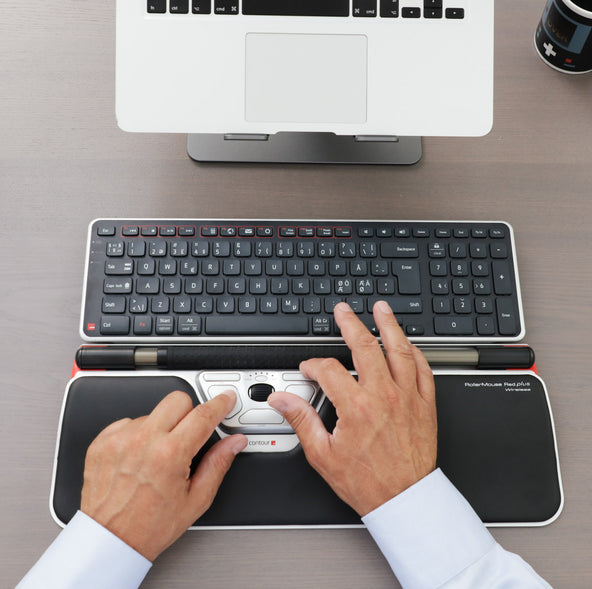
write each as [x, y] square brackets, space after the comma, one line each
[198, 425]
[366, 353]
[399, 351]
[170, 411]
[116, 426]
[307, 424]
[425, 377]
[337, 383]
[207, 478]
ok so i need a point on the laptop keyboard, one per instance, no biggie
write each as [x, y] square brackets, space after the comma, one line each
[434, 9]
[239, 280]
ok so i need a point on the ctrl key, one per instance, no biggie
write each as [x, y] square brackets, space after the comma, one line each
[115, 325]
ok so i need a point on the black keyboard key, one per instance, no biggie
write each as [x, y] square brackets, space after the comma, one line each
[296, 7]
[399, 305]
[411, 12]
[389, 8]
[364, 8]
[453, 325]
[256, 326]
[119, 268]
[142, 325]
[117, 286]
[226, 6]
[321, 325]
[165, 326]
[115, 325]
[105, 230]
[502, 278]
[432, 12]
[114, 304]
[506, 316]
[156, 6]
[485, 325]
[408, 277]
[389, 249]
[189, 326]
[457, 13]
[201, 6]
[179, 6]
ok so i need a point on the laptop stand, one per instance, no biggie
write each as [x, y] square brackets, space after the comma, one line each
[304, 148]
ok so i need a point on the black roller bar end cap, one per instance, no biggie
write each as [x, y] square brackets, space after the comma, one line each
[105, 358]
[506, 357]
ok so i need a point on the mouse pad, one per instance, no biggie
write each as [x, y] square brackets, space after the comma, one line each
[495, 443]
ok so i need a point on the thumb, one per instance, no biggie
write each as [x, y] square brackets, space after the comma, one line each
[306, 422]
[210, 472]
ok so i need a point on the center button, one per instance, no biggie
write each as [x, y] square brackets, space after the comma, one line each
[260, 391]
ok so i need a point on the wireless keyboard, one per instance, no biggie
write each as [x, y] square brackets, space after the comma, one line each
[202, 281]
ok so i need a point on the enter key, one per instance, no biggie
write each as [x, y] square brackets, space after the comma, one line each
[407, 274]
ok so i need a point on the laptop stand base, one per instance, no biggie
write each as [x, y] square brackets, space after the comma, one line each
[304, 148]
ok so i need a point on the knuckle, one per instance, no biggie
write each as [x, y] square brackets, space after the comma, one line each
[402, 348]
[182, 398]
[366, 341]
[330, 365]
[165, 453]
[207, 411]
[221, 461]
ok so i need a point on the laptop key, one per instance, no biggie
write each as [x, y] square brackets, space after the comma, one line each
[156, 6]
[201, 6]
[179, 6]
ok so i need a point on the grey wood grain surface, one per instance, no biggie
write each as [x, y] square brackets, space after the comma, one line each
[63, 162]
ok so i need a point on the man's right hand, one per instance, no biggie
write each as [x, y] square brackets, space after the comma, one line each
[385, 439]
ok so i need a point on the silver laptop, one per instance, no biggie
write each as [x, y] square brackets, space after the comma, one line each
[350, 67]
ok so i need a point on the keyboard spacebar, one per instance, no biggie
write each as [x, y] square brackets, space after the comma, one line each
[296, 7]
[268, 325]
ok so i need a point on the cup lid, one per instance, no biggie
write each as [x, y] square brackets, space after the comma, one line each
[581, 7]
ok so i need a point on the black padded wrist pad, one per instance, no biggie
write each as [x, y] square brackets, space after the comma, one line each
[495, 443]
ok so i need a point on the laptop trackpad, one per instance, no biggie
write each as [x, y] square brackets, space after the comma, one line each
[306, 78]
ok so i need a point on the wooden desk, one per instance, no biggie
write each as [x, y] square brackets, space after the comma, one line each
[63, 162]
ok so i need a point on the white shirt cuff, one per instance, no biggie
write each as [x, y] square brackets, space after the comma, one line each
[86, 554]
[429, 533]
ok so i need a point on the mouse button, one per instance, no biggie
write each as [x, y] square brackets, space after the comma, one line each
[261, 417]
[305, 391]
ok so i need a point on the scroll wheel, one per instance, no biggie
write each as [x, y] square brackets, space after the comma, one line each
[260, 391]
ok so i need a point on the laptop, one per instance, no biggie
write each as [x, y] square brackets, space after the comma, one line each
[349, 67]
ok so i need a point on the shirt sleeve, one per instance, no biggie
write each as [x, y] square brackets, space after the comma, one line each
[86, 554]
[432, 538]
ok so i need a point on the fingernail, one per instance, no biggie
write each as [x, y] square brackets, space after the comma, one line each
[229, 393]
[239, 445]
[383, 306]
[278, 404]
[344, 307]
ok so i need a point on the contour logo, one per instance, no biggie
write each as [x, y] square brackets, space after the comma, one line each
[262, 442]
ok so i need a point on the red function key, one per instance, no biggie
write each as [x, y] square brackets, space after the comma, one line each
[209, 231]
[343, 232]
[264, 231]
[287, 231]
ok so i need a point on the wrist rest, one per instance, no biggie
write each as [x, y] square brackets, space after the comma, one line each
[496, 443]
